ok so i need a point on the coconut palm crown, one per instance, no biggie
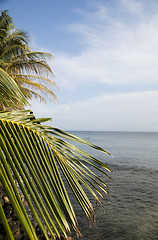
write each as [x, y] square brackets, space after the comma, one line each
[27, 68]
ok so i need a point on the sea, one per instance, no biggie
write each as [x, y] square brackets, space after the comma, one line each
[131, 210]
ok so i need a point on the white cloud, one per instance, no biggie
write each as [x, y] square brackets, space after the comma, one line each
[115, 52]
[130, 111]
[118, 53]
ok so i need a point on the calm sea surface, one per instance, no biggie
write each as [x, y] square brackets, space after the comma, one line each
[132, 210]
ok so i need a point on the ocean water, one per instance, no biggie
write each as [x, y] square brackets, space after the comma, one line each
[132, 210]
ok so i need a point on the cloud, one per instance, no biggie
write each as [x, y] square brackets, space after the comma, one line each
[119, 50]
[135, 111]
[115, 52]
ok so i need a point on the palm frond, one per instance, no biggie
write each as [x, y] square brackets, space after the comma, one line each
[37, 86]
[11, 95]
[30, 66]
[39, 55]
[17, 35]
[30, 93]
[36, 77]
[39, 158]
[11, 52]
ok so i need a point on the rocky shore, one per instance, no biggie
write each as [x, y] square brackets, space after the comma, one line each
[13, 221]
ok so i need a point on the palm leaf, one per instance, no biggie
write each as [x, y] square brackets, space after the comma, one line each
[34, 66]
[37, 86]
[39, 55]
[11, 95]
[12, 52]
[39, 158]
[36, 77]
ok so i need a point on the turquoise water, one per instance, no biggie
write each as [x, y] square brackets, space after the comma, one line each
[132, 210]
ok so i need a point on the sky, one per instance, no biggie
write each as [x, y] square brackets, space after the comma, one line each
[105, 60]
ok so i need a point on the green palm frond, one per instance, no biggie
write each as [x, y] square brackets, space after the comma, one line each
[31, 93]
[36, 86]
[36, 66]
[36, 78]
[17, 35]
[40, 158]
[39, 55]
[11, 95]
[11, 52]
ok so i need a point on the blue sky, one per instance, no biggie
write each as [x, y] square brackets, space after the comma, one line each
[105, 60]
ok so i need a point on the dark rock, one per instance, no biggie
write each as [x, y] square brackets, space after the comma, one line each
[61, 238]
[2, 202]
[17, 235]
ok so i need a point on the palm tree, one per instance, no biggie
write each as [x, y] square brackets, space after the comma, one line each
[26, 67]
[37, 160]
